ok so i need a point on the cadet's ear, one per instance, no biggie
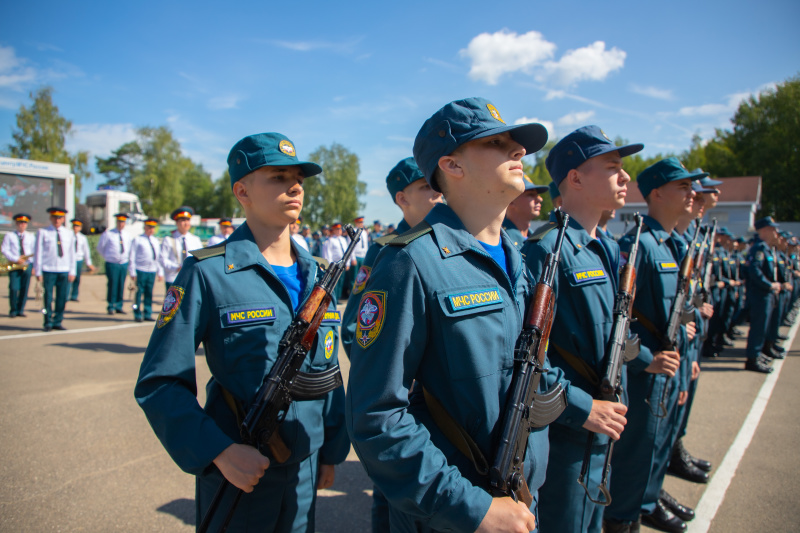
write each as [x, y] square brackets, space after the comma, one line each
[574, 179]
[450, 166]
[240, 191]
[401, 200]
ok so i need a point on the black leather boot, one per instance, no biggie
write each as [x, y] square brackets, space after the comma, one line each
[681, 466]
[663, 519]
[681, 511]
[702, 464]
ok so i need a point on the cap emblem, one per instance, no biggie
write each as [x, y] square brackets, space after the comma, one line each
[287, 148]
[604, 135]
[495, 113]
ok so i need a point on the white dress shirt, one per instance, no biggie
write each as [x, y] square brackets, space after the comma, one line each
[11, 248]
[109, 246]
[300, 240]
[334, 248]
[173, 252]
[144, 255]
[362, 245]
[47, 258]
[216, 239]
[82, 252]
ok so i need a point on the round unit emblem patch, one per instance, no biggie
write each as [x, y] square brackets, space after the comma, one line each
[172, 302]
[329, 345]
[361, 279]
[371, 313]
[495, 113]
[287, 148]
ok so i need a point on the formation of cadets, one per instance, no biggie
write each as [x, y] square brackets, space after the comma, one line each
[434, 313]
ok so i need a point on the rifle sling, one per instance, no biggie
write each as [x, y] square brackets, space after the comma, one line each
[578, 365]
[457, 436]
[280, 452]
[649, 326]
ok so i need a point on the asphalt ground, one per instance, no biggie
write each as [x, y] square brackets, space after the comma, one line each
[79, 455]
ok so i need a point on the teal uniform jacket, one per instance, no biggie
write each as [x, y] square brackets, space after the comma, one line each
[237, 308]
[513, 233]
[439, 311]
[348, 328]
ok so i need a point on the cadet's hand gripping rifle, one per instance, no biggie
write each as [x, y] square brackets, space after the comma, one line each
[285, 382]
[526, 408]
[621, 350]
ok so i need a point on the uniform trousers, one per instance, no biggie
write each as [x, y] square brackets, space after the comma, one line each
[116, 275]
[75, 285]
[18, 282]
[143, 304]
[282, 502]
[761, 307]
[58, 282]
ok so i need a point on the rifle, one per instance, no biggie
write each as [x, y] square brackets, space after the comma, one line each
[678, 315]
[285, 383]
[621, 350]
[526, 408]
[707, 261]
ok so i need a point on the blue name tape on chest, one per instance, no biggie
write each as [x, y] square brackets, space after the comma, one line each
[469, 300]
[332, 318]
[243, 316]
[582, 276]
[668, 265]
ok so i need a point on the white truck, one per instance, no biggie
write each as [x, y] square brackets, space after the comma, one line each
[104, 203]
[28, 186]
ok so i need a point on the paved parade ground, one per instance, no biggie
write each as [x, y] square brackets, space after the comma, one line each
[79, 455]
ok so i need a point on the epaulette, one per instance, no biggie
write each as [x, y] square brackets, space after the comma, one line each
[541, 231]
[386, 239]
[414, 233]
[211, 251]
[321, 261]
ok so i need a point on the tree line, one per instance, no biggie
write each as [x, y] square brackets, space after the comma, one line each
[764, 140]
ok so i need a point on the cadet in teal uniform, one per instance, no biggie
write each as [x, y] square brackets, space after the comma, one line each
[525, 207]
[587, 167]
[638, 467]
[442, 310]
[237, 299]
[762, 290]
[415, 197]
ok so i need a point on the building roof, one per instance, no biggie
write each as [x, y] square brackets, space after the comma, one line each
[745, 189]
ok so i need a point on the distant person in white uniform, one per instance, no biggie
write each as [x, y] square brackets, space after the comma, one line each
[294, 229]
[115, 247]
[225, 230]
[54, 264]
[176, 246]
[83, 256]
[143, 268]
[18, 247]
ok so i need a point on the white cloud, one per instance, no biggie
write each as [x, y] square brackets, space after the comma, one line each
[494, 54]
[99, 139]
[551, 130]
[310, 46]
[591, 62]
[224, 102]
[577, 117]
[652, 92]
[728, 108]
[14, 74]
[378, 193]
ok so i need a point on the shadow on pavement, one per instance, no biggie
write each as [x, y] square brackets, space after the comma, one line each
[346, 508]
[102, 347]
[182, 509]
[19, 329]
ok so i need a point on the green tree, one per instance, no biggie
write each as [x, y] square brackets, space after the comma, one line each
[333, 195]
[766, 142]
[198, 190]
[41, 135]
[225, 203]
[122, 166]
[538, 174]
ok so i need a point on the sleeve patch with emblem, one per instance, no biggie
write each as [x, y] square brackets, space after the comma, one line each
[369, 321]
[329, 345]
[361, 279]
[172, 302]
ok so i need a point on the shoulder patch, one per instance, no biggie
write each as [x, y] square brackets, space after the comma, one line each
[329, 344]
[369, 320]
[468, 300]
[541, 231]
[414, 233]
[211, 251]
[590, 274]
[172, 302]
[331, 318]
[386, 239]
[361, 279]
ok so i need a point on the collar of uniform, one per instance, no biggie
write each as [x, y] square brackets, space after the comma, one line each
[402, 227]
[453, 238]
[578, 236]
[241, 251]
[656, 228]
[509, 225]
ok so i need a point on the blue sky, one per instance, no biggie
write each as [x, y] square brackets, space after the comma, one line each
[367, 74]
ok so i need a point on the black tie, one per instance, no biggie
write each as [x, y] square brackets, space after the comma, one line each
[152, 247]
[58, 242]
[184, 248]
[76, 243]
[21, 244]
[121, 246]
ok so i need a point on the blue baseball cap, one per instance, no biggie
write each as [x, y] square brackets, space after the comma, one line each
[697, 186]
[579, 146]
[466, 120]
[663, 172]
[265, 149]
[764, 222]
[707, 182]
[554, 192]
[531, 186]
[724, 231]
[402, 175]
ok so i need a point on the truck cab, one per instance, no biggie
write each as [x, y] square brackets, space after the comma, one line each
[104, 203]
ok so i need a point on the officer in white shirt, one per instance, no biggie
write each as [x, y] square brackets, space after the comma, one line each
[82, 256]
[18, 247]
[54, 264]
[225, 230]
[294, 229]
[115, 247]
[359, 252]
[143, 267]
[333, 250]
[176, 246]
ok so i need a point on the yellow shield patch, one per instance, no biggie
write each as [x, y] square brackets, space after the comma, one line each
[495, 113]
[172, 302]
[369, 321]
[287, 148]
[329, 345]
[361, 279]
